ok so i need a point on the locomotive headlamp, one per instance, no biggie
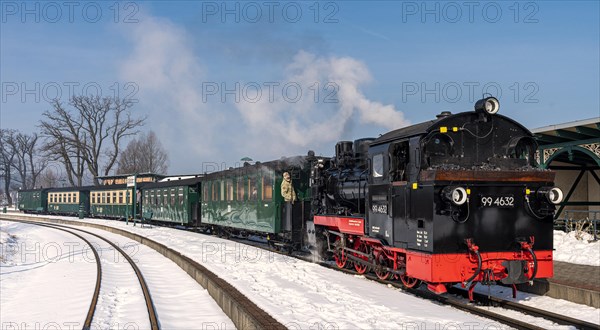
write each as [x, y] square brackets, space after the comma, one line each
[553, 195]
[490, 105]
[456, 195]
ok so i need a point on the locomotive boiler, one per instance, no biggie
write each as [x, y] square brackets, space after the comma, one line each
[458, 199]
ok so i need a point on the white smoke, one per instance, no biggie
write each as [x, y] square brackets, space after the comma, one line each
[170, 78]
[311, 121]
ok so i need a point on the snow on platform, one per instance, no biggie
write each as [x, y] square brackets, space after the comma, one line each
[569, 249]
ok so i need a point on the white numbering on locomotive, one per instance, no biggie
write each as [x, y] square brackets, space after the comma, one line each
[498, 201]
[379, 208]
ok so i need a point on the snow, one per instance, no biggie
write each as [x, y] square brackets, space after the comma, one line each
[304, 295]
[181, 303]
[38, 273]
[569, 249]
[558, 306]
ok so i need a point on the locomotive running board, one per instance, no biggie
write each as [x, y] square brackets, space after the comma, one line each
[346, 225]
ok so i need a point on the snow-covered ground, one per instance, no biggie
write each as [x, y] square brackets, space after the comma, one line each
[42, 269]
[305, 295]
[181, 303]
[569, 249]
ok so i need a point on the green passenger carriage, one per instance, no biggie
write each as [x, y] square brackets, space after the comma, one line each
[172, 201]
[69, 201]
[33, 201]
[247, 200]
[111, 201]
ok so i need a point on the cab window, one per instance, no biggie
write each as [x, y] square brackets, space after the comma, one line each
[378, 165]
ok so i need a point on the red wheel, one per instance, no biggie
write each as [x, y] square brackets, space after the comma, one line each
[340, 257]
[382, 261]
[409, 282]
[361, 268]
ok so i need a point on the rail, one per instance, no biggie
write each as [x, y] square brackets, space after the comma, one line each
[154, 325]
[87, 323]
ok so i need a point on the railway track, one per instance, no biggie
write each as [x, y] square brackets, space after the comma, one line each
[507, 304]
[484, 301]
[451, 299]
[152, 315]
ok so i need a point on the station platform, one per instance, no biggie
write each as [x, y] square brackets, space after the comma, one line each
[576, 283]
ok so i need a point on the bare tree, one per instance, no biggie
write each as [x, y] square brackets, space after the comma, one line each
[27, 162]
[88, 138]
[7, 159]
[49, 178]
[144, 154]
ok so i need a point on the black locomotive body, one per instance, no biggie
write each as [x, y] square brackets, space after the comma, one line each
[458, 199]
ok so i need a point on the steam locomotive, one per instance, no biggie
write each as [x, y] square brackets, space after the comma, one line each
[458, 199]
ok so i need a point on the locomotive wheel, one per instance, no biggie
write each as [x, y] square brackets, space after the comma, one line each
[381, 260]
[409, 282]
[340, 257]
[361, 268]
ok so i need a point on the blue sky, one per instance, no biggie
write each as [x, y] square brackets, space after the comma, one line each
[362, 68]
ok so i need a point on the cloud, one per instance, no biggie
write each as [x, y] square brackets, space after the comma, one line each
[314, 101]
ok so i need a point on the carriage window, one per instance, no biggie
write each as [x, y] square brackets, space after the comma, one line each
[165, 197]
[229, 190]
[222, 190]
[240, 189]
[378, 166]
[103, 197]
[205, 191]
[128, 196]
[253, 193]
[267, 188]
[180, 196]
[114, 197]
[121, 197]
[215, 191]
[172, 197]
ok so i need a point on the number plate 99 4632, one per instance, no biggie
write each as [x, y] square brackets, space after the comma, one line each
[497, 201]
